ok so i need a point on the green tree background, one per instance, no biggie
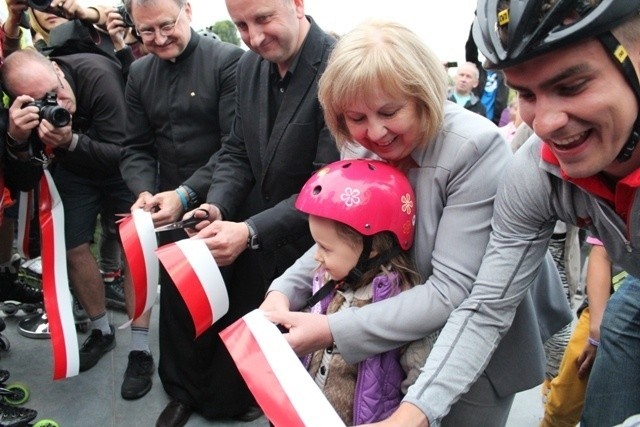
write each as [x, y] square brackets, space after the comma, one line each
[227, 32]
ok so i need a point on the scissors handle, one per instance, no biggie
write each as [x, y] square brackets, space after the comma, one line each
[193, 220]
[186, 223]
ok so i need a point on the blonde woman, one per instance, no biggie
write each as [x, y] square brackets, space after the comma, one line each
[385, 90]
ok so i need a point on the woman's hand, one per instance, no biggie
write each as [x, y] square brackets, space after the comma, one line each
[407, 415]
[275, 301]
[308, 332]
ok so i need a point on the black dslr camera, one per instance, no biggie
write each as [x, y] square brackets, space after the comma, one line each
[51, 111]
[46, 6]
[125, 16]
[40, 4]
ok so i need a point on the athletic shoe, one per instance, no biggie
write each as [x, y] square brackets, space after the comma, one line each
[33, 267]
[96, 346]
[13, 416]
[114, 290]
[137, 377]
[14, 289]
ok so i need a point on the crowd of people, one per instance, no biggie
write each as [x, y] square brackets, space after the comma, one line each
[424, 285]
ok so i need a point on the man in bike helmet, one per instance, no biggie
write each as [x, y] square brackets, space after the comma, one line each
[574, 64]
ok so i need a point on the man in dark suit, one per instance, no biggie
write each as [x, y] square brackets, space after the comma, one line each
[278, 140]
[180, 107]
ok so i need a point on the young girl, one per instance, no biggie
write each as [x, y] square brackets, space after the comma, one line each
[362, 217]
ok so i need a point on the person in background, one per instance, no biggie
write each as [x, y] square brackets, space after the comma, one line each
[565, 399]
[491, 89]
[465, 81]
[128, 46]
[42, 22]
[509, 129]
[12, 288]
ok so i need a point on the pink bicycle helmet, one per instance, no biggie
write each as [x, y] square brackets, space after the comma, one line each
[368, 195]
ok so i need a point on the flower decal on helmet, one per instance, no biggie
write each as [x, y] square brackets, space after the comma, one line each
[407, 204]
[350, 197]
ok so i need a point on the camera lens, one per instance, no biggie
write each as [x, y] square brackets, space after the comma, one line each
[40, 4]
[56, 115]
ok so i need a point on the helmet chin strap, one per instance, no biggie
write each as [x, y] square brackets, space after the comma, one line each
[366, 262]
[620, 56]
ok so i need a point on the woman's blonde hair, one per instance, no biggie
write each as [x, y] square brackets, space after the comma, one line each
[36, 27]
[388, 57]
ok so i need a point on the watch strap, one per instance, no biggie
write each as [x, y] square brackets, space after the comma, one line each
[17, 146]
[252, 241]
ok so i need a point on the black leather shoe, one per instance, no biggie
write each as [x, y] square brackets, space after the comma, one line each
[175, 414]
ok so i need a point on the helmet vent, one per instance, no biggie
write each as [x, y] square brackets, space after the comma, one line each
[317, 190]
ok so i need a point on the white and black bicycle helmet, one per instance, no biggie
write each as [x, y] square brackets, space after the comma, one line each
[509, 32]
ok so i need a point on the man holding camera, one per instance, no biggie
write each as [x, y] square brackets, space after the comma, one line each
[85, 153]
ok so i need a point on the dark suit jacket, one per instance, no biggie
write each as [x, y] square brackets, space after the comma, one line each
[258, 175]
[178, 113]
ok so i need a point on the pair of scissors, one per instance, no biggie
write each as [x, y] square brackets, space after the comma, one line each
[186, 223]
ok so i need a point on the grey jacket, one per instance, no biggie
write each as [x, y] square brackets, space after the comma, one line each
[455, 187]
[532, 197]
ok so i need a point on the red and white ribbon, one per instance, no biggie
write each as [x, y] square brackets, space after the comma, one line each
[281, 385]
[25, 214]
[55, 282]
[197, 277]
[139, 244]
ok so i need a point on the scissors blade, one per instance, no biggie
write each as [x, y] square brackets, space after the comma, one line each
[185, 223]
[169, 227]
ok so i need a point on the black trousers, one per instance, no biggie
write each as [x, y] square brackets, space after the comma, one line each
[200, 372]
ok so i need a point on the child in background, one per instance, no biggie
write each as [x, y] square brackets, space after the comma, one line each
[362, 217]
[565, 398]
[508, 130]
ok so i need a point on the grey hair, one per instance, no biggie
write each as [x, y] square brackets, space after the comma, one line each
[129, 3]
